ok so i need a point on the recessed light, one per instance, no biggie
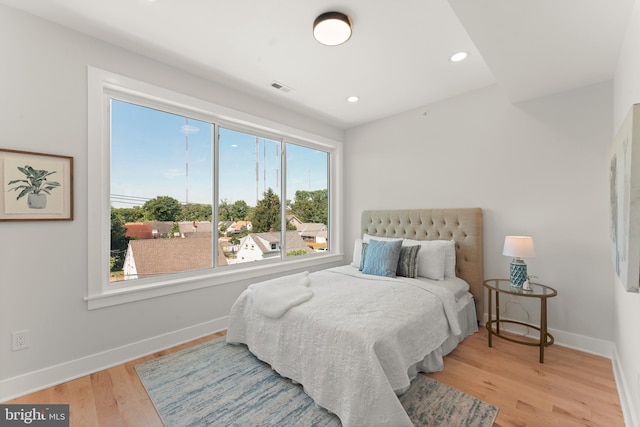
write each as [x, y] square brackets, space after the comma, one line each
[353, 99]
[459, 56]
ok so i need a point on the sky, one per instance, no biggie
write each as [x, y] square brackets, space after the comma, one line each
[149, 158]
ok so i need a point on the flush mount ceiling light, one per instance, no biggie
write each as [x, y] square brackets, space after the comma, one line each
[332, 28]
[353, 98]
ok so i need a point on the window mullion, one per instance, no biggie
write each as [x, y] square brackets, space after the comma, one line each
[283, 198]
[215, 152]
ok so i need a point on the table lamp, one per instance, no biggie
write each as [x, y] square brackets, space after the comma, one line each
[518, 247]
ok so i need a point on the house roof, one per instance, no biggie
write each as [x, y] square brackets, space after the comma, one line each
[138, 230]
[294, 241]
[163, 227]
[195, 226]
[161, 256]
[294, 220]
[237, 226]
[198, 234]
[311, 227]
[226, 224]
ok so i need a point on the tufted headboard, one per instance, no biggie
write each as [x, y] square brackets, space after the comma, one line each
[463, 225]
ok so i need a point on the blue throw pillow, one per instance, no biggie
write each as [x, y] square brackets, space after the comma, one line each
[381, 258]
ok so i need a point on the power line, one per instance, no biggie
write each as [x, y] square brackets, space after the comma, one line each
[123, 196]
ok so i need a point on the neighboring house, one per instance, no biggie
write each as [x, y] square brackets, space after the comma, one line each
[312, 232]
[138, 230]
[240, 226]
[195, 227]
[160, 228]
[257, 246]
[294, 220]
[309, 231]
[160, 256]
[198, 234]
[225, 226]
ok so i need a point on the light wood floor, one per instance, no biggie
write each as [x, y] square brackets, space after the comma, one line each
[570, 389]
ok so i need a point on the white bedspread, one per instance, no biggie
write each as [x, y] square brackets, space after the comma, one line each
[352, 343]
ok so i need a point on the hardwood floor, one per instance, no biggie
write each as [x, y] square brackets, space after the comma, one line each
[570, 389]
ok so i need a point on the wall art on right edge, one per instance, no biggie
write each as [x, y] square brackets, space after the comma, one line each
[624, 192]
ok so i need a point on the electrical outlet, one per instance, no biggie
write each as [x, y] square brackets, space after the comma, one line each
[21, 340]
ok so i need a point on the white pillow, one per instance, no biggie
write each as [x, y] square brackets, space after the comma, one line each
[357, 253]
[366, 237]
[430, 257]
[449, 258]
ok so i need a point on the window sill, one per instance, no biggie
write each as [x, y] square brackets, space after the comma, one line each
[183, 284]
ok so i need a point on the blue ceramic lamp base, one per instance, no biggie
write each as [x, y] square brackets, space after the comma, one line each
[517, 273]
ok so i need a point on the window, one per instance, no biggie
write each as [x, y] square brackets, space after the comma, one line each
[178, 194]
[307, 194]
[250, 194]
[161, 167]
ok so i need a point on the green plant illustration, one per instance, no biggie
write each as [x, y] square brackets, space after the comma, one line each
[35, 183]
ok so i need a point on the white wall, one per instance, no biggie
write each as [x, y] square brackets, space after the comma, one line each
[538, 168]
[627, 305]
[43, 265]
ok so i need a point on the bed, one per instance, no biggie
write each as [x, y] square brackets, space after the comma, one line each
[355, 340]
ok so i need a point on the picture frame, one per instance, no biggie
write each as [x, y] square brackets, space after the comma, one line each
[35, 186]
[624, 193]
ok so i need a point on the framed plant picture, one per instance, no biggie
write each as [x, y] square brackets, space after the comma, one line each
[35, 186]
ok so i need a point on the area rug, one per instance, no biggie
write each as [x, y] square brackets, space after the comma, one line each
[218, 384]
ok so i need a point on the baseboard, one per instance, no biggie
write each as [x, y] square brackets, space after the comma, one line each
[626, 402]
[30, 382]
[562, 338]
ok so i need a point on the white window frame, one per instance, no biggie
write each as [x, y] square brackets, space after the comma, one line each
[100, 293]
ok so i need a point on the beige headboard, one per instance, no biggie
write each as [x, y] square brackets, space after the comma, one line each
[463, 225]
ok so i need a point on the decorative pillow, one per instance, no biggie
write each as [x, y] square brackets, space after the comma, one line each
[449, 258]
[367, 237]
[357, 254]
[381, 258]
[408, 261]
[430, 257]
[363, 254]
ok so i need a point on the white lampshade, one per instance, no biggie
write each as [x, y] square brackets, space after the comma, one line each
[332, 28]
[518, 247]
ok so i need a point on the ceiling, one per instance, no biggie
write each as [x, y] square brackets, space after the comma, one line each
[397, 58]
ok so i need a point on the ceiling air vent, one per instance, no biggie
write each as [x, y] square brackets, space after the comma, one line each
[281, 87]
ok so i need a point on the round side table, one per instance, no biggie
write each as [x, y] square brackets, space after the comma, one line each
[495, 287]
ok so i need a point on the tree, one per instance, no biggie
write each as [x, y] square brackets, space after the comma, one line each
[224, 210]
[175, 228]
[238, 211]
[266, 215]
[119, 241]
[133, 214]
[311, 206]
[196, 212]
[162, 208]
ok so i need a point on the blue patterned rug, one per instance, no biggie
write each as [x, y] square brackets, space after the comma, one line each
[216, 384]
